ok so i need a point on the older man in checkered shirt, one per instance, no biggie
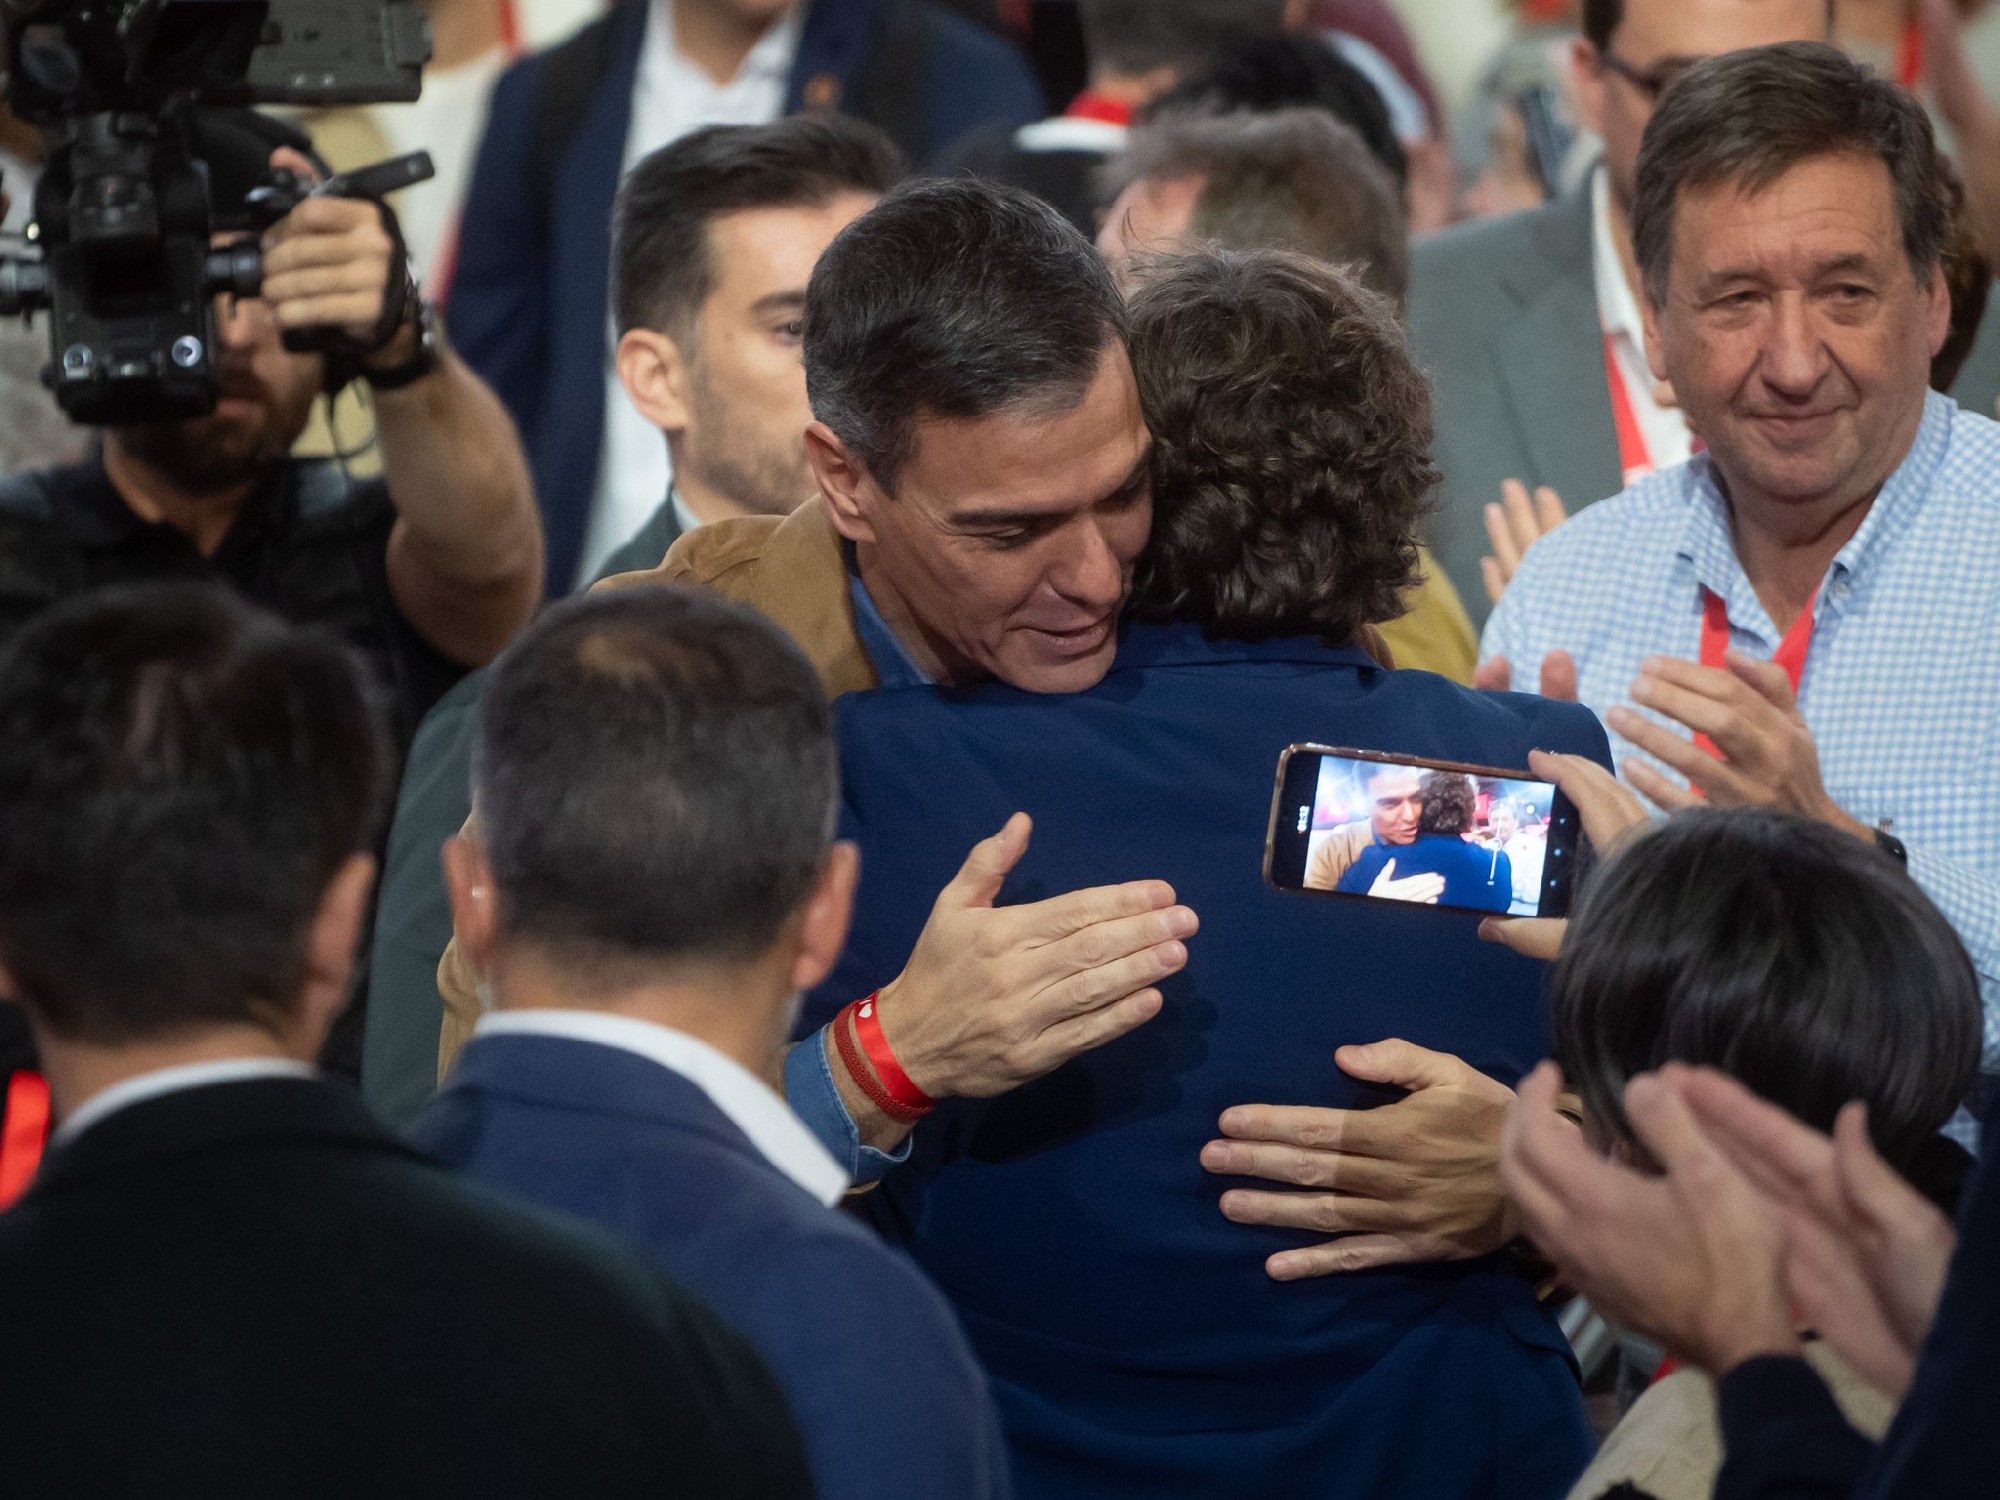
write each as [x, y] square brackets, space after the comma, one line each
[1807, 614]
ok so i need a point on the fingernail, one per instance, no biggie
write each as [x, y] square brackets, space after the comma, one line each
[1489, 930]
[1280, 1269]
[1171, 953]
[1181, 922]
[1215, 1156]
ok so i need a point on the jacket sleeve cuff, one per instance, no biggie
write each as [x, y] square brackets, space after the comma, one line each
[815, 1099]
[1783, 1434]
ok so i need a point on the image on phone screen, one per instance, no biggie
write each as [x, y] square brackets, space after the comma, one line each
[1426, 832]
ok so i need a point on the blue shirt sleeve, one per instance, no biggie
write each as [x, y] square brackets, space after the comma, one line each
[814, 1098]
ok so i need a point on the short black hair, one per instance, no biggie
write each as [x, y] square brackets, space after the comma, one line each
[1291, 447]
[1139, 36]
[654, 780]
[1747, 118]
[181, 775]
[952, 298]
[1786, 953]
[1263, 74]
[660, 270]
[1294, 179]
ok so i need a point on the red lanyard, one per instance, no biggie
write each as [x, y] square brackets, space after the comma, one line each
[1791, 652]
[1090, 105]
[24, 1128]
[1910, 53]
[1635, 459]
[510, 29]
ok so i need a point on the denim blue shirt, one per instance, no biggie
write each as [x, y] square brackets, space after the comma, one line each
[809, 1085]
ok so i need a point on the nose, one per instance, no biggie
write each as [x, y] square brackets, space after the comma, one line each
[1795, 356]
[240, 322]
[1092, 572]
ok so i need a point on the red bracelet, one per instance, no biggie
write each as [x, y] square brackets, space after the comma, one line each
[859, 1071]
[868, 1030]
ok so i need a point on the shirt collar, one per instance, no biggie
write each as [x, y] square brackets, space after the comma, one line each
[1617, 308]
[662, 63]
[750, 1103]
[158, 1081]
[891, 658]
[1709, 547]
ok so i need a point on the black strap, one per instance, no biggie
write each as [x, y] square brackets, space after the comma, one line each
[894, 89]
[570, 77]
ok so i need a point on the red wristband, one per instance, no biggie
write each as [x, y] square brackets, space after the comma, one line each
[859, 1071]
[868, 1030]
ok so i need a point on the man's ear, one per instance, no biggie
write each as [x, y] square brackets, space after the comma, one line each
[655, 375]
[1587, 76]
[843, 483]
[475, 919]
[332, 943]
[824, 917]
[1937, 310]
[1649, 320]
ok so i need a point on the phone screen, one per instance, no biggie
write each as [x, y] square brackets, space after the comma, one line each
[1429, 832]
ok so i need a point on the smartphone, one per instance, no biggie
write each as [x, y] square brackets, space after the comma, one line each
[1432, 832]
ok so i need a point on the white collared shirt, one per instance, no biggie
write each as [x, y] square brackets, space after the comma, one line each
[1664, 428]
[159, 1081]
[750, 1103]
[671, 97]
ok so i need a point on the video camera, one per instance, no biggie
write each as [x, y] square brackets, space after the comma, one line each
[131, 95]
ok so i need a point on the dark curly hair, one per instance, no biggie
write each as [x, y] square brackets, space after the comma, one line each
[1291, 447]
[1448, 800]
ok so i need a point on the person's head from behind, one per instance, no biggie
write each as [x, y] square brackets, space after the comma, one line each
[979, 438]
[1262, 75]
[1631, 50]
[1449, 801]
[1395, 803]
[1291, 459]
[1778, 950]
[1294, 180]
[1791, 217]
[1149, 45]
[655, 784]
[188, 795]
[713, 240]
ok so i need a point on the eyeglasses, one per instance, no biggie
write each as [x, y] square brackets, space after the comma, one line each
[1652, 82]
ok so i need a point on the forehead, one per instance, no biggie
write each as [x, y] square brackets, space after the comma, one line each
[1654, 29]
[1824, 210]
[756, 252]
[1031, 462]
[1392, 781]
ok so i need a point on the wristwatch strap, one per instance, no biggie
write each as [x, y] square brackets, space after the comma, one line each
[429, 354]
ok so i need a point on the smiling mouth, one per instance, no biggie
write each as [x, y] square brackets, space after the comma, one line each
[1078, 642]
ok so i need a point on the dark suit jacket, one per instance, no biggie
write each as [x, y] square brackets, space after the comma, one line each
[251, 1289]
[1135, 1344]
[529, 298]
[399, 1048]
[1503, 315]
[886, 1393]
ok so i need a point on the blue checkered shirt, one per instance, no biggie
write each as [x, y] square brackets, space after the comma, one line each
[1902, 676]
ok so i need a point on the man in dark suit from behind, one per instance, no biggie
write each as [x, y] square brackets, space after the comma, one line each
[652, 886]
[228, 1279]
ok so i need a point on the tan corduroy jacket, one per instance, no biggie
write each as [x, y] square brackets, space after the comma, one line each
[790, 569]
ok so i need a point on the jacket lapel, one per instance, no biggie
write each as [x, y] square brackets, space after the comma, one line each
[1550, 362]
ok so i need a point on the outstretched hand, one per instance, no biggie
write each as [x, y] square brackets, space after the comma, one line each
[995, 996]
[1416, 1180]
[1513, 525]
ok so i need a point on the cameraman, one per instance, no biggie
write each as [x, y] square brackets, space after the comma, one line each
[426, 571]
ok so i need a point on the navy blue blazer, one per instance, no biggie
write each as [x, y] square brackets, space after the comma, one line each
[888, 1398]
[529, 299]
[1473, 875]
[1136, 1346]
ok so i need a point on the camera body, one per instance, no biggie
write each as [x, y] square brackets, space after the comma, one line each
[126, 210]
